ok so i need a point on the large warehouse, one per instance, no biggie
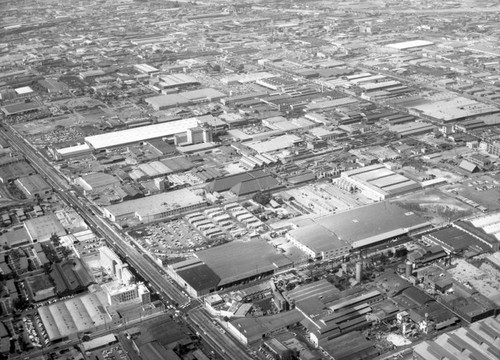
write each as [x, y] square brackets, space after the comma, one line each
[359, 228]
[143, 133]
[227, 265]
[378, 182]
[164, 102]
[155, 207]
[318, 242]
[65, 319]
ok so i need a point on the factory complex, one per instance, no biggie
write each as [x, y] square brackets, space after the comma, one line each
[191, 180]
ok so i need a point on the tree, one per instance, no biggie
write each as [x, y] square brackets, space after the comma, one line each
[290, 354]
[262, 198]
[56, 240]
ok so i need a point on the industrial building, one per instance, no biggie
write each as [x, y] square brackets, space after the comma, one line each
[318, 242]
[484, 228]
[477, 341]
[412, 44]
[454, 240]
[66, 319]
[359, 228]
[15, 238]
[143, 133]
[176, 81]
[155, 207]
[244, 183]
[165, 102]
[34, 186]
[71, 152]
[70, 277]
[238, 261]
[12, 170]
[97, 182]
[194, 276]
[275, 144]
[225, 265]
[42, 228]
[452, 109]
[250, 330]
[378, 182]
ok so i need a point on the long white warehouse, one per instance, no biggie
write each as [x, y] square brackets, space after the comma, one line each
[143, 133]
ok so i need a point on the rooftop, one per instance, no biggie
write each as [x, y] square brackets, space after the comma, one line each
[372, 223]
[317, 238]
[142, 133]
[238, 260]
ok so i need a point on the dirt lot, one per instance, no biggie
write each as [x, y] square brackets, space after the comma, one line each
[437, 206]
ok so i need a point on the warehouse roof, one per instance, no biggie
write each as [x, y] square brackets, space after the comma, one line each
[372, 223]
[227, 182]
[78, 314]
[317, 289]
[15, 238]
[163, 101]
[317, 238]
[455, 239]
[239, 260]
[410, 44]
[142, 133]
[43, 227]
[200, 277]
[20, 108]
[255, 328]
[97, 180]
[275, 144]
[99, 342]
[477, 341]
[251, 186]
[173, 80]
[154, 204]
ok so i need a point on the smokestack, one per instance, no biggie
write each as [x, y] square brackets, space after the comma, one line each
[409, 268]
[359, 271]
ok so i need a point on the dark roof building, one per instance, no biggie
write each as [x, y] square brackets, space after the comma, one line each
[228, 182]
[350, 346]
[70, 277]
[199, 279]
[455, 240]
[469, 167]
[265, 183]
[15, 170]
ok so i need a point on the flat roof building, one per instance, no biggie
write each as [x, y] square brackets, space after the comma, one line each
[143, 133]
[372, 224]
[378, 182]
[237, 261]
[65, 319]
[318, 242]
[164, 102]
[42, 228]
[34, 186]
[97, 181]
[155, 207]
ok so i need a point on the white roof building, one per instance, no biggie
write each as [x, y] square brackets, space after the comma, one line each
[143, 133]
[67, 318]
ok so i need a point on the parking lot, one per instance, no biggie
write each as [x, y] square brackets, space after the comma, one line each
[199, 230]
[115, 352]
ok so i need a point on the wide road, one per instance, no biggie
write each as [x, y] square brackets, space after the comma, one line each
[152, 273]
[219, 341]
